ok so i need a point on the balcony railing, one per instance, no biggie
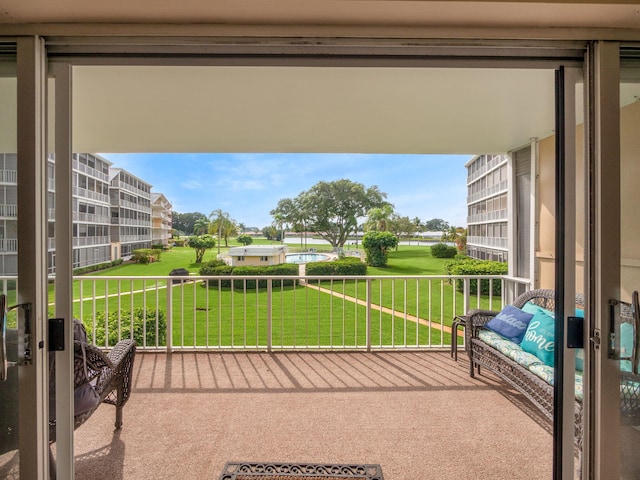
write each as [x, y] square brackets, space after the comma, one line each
[283, 312]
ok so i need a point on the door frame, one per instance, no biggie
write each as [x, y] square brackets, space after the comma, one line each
[101, 51]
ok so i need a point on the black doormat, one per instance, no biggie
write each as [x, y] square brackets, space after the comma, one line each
[302, 471]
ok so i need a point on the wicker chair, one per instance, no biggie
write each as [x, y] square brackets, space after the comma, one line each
[110, 372]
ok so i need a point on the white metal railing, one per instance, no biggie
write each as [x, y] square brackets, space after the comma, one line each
[84, 193]
[91, 218]
[130, 188]
[283, 312]
[8, 210]
[9, 176]
[81, 167]
[91, 241]
[9, 245]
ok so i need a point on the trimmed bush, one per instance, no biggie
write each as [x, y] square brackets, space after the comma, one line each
[95, 268]
[442, 250]
[340, 267]
[144, 327]
[472, 266]
[212, 269]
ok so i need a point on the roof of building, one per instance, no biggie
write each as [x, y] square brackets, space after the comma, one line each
[258, 251]
[159, 196]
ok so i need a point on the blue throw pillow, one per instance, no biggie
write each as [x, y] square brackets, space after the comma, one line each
[539, 337]
[511, 323]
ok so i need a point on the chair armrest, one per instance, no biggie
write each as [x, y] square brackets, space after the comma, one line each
[122, 350]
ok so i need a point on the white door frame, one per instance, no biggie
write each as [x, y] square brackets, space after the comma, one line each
[32, 254]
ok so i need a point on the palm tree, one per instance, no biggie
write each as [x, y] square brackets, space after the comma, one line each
[218, 218]
[201, 226]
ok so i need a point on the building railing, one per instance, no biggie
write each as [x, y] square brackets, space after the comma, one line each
[8, 245]
[8, 210]
[84, 193]
[81, 167]
[489, 216]
[488, 192]
[130, 188]
[495, 242]
[9, 176]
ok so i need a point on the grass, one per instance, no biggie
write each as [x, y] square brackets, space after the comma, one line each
[300, 315]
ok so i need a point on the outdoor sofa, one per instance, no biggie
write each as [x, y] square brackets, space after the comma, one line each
[532, 374]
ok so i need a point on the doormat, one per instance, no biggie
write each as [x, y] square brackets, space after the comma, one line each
[299, 471]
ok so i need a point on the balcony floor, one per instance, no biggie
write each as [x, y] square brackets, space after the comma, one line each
[417, 414]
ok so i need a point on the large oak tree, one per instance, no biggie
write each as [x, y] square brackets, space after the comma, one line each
[331, 209]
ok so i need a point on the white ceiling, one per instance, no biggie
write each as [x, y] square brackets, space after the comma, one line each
[309, 109]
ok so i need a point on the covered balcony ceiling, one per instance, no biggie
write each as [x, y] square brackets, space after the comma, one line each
[309, 109]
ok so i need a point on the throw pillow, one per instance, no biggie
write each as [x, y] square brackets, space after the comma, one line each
[511, 323]
[539, 337]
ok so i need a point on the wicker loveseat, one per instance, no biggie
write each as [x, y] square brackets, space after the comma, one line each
[517, 372]
[535, 381]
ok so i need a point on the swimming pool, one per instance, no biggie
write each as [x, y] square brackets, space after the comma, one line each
[306, 257]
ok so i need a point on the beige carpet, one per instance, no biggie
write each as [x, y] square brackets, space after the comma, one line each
[416, 414]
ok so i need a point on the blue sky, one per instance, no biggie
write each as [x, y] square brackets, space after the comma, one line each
[249, 185]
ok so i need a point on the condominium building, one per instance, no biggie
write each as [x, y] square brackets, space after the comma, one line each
[130, 213]
[160, 219]
[8, 214]
[488, 216]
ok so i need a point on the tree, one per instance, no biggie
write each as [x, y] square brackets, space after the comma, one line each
[185, 222]
[452, 234]
[223, 226]
[289, 211]
[201, 244]
[245, 240]
[378, 219]
[436, 225]
[377, 245]
[271, 233]
[401, 226]
[201, 226]
[332, 209]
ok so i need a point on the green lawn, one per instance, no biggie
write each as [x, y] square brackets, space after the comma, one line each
[300, 315]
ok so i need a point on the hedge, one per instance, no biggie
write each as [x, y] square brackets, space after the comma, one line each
[478, 267]
[95, 268]
[340, 267]
[249, 271]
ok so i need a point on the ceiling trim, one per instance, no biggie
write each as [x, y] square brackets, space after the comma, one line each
[115, 30]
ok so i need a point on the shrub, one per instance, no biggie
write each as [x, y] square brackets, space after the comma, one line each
[178, 242]
[245, 239]
[157, 246]
[377, 245]
[472, 266]
[144, 327]
[95, 268]
[214, 269]
[142, 256]
[209, 267]
[442, 250]
[343, 266]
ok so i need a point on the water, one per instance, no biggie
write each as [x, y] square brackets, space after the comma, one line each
[306, 257]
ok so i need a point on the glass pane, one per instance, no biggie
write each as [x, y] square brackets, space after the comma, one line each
[630, 260]
[9, 434]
